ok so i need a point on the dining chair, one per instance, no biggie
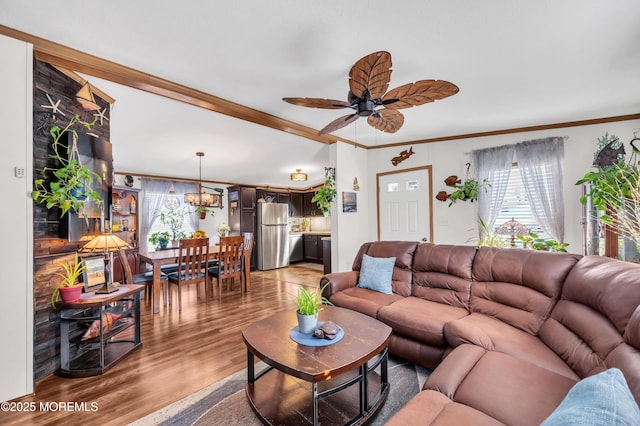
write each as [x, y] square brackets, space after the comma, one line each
[192, 269]
[144, 278]
[246, 260]
[229, 263]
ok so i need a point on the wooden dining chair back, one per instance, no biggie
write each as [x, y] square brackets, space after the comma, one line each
[229, 262]
[192, 266]
[129, 277]
[246, 260]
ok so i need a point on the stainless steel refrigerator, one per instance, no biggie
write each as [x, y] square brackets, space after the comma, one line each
[272, 240]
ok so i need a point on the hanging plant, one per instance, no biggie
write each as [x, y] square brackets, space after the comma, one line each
[70, 186]
[325, 195]
[468, 191]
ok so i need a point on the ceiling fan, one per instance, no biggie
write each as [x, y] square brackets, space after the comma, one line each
[368, 82]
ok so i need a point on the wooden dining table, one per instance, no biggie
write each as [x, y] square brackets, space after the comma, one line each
[159, 258]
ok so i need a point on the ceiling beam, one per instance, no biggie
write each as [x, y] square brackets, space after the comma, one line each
[75, 60]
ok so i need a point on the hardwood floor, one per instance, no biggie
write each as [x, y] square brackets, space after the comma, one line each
[181, 353]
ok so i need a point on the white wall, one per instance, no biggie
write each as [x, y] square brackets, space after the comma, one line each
[456, 224]
[349, 230]
[16, 260]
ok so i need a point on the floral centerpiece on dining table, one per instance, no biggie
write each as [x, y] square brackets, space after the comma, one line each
[223, 230]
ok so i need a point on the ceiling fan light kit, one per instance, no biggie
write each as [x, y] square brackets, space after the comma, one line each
[368, 83]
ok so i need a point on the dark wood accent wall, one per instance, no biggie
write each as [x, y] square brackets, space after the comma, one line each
[49, 249]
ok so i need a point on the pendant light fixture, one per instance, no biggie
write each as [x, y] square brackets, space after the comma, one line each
[298, 176]
[201, 198]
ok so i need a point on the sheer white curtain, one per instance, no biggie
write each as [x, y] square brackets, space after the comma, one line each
[541, 162]
[493, 164]
[156, 193]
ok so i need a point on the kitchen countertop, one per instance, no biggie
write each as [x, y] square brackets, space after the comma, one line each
[311, 233]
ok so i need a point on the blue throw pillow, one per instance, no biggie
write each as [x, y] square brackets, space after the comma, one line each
[603, 399]
[376, 273]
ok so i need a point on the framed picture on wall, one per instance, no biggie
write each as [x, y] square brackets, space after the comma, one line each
[93, 274]
[349, 202]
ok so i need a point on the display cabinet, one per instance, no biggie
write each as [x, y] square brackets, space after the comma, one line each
[125, 214]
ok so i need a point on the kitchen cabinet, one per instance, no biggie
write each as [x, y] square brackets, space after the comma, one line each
[313, 247]
[296, 248]
[242, 214]
[310, 208]
[326, 254]
[296, 205]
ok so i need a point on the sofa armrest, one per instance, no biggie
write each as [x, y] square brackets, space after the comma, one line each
[338, 281]
[457, 333]
[454, 369]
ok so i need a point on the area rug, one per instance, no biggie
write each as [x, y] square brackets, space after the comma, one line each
[225, 403]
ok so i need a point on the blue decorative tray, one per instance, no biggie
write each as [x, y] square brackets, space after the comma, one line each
[309, 340]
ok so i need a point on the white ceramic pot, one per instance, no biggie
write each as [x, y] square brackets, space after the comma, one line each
[307, 323]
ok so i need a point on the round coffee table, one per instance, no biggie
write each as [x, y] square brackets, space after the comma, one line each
[334, 384]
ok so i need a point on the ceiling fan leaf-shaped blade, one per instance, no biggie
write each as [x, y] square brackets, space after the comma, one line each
[418, 93]
[373, 72]
[338, 123]
[386, 120]
[317, 103]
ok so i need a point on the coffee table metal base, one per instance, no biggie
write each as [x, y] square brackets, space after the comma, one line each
[279, 398]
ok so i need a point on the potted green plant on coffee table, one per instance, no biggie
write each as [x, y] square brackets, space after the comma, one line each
[309, 304]
[69, 289]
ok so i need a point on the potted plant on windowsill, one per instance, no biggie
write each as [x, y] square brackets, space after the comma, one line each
[69, 289]
[70, 186]
[325, 195]
[309, 304]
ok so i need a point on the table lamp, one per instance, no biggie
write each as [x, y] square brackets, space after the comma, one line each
[107, 244]
[513, 228]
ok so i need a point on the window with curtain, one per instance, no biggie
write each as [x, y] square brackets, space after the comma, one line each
[530, 193]
[515, 206]
[161, 196]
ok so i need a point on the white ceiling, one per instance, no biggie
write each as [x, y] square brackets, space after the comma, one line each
[517, 63]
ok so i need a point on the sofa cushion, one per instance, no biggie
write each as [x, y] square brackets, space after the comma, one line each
[492, 334]
[502, 386]
[433, 408]
[376, 273]
[420, 319]
[442, 273]
[403, 252]
[518, 286]
[599, 300]
[600, 400]
[363, 300]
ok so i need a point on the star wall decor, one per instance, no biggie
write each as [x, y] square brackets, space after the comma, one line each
[101, 115]
[54, 107]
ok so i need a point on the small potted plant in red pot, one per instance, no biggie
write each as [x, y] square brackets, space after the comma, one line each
[69, 289]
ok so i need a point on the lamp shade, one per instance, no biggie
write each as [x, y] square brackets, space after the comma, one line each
[298, 176]
[104, 242]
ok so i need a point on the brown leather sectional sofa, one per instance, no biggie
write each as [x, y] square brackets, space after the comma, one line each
[507, 332]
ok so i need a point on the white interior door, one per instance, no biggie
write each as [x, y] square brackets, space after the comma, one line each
[404, 205]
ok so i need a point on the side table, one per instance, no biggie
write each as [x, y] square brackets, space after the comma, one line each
[94, 356]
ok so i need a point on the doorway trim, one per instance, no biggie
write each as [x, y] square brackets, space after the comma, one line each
[430, 190]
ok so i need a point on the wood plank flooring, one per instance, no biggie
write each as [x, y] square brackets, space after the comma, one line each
[181, 353]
